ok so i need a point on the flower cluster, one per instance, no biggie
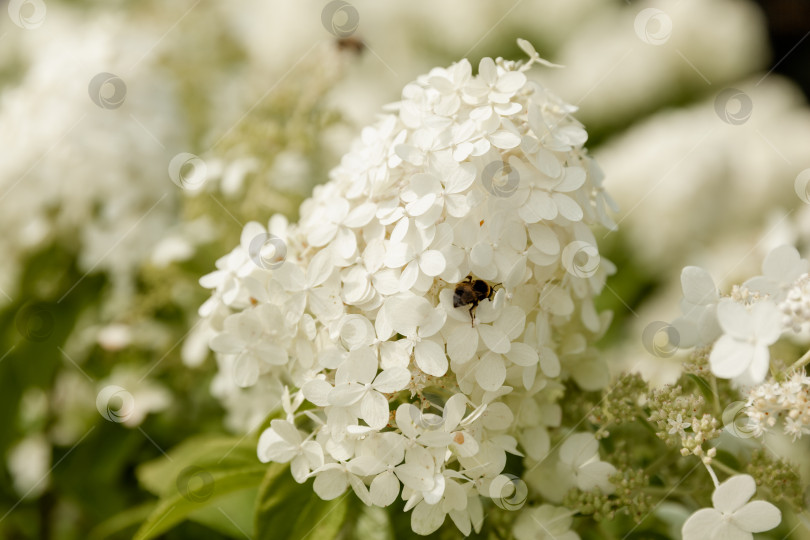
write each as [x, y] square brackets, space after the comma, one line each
[743, 325]
[786, 403]
[429, 303]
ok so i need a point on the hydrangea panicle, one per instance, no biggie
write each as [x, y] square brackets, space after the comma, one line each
[467, 175]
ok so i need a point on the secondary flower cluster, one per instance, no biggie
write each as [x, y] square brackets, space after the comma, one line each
[786, 403]
[395, 377]
[741, 327]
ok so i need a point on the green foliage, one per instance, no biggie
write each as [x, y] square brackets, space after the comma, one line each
[292, 511]
[202, 473]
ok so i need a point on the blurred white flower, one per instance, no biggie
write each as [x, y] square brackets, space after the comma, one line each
[545, 522]
[698, 325]
[780, 270]
[733, 517]
[127, 396]
[742, 351]
[29, 462]
[580, 453]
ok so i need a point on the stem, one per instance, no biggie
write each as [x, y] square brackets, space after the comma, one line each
[713, 475]
[605, 533]
[801, 362]
[725, 468]
[717, 411]
[644, 422]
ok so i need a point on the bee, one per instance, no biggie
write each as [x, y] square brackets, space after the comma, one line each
[472, 291]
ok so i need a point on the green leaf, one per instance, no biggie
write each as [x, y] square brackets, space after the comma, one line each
[199, 473]
[207, 452]
[286, 509]
[703, 386]
[233, 514]
[121, 521]
[373, 523]
[205, 488]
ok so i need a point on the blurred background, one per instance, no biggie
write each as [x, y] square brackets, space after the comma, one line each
[138, 137]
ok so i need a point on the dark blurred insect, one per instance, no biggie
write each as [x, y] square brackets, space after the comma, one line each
[470, 292]
[351, 44]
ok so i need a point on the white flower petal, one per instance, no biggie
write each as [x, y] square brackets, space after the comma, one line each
[494, 338]
[374, 410]
[430, 358]
[432, 262]
[730, 358]
[462, 343]
[522, 355]
[384, 489]
[578, 449]
[732, 494]
[490, 372]
[427, 518]
[392, 380]
[757, 516]
[701, 525]
[698, 286]
[330, 484]
[595, 475]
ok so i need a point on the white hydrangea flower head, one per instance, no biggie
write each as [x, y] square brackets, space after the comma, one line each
[440, 282]
[733, 517]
